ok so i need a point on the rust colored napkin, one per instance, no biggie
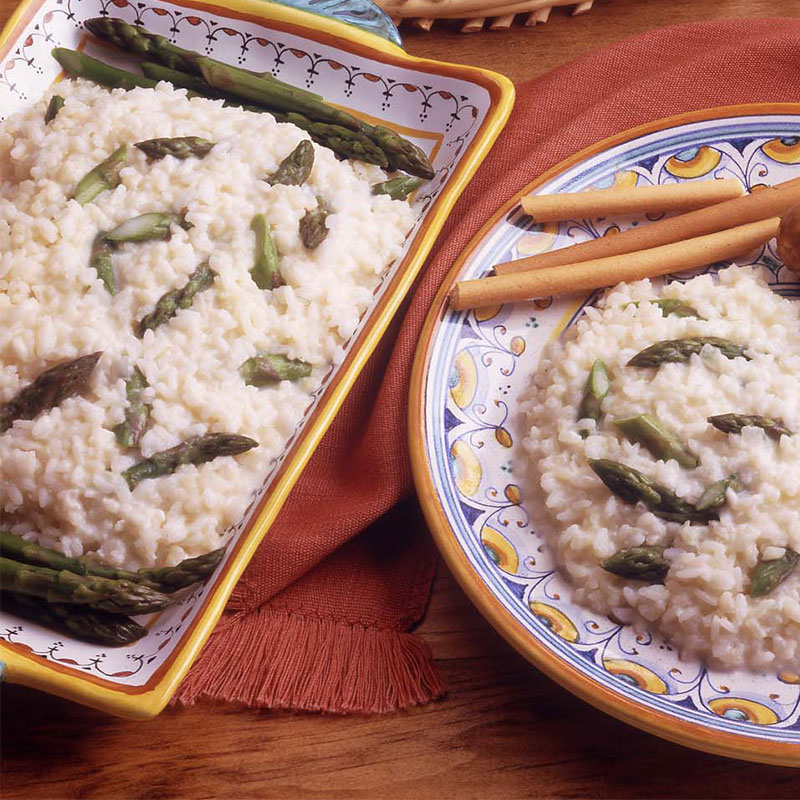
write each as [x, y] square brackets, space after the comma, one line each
[320, 617]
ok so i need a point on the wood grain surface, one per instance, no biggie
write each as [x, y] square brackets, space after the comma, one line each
[503, 731]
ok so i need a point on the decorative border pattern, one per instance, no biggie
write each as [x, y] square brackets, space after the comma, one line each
[480, 361]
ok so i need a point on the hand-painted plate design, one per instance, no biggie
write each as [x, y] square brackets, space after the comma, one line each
[465, 430]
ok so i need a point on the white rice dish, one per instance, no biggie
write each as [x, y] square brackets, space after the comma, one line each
[60, 473]
[703, 608]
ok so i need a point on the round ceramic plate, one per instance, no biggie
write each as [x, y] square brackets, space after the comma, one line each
[471, 367]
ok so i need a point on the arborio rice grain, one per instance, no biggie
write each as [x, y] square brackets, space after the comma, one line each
[704, 607]
[60, 473]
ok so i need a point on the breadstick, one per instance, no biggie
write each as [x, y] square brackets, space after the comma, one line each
[588, 275]
[632, 200]
[748, 208]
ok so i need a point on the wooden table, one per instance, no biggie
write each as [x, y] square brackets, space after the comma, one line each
[504, 730]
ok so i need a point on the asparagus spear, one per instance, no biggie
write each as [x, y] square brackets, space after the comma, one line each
[597, 386]
[714, 495]
[313, 229]
[79, 65]
[149, 227]
[181, 147]
[644, 563]
[104, 176]
[137, 414]
[679, 350]
[268, 368]
[103, 594]
[187, 572]
[400, 153]
[657, 438]
[98, 627]
[197, 450]
[768, 574]
[53, 107]
[50, 389]
[670, 306]
[169, 304]
[633, 487]
[733, 423]
[295, 168]
[100, 261]
[398, 188]
[266, 269]
[183, 80]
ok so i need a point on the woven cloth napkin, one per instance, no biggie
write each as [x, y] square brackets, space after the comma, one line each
[320, 618]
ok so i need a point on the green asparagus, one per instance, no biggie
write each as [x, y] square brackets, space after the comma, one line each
[86, 624]
[313, 229]
[597, 387]
[137, 414]
[670, 306]
[104, 176]
[100, 260]
[49, 390]
[149, 227]
[633, 487]
[714, 495]
[652, 434]
[53, 107]
[295, 168]
[398, 188]
[197, 450]
[400, 153]
[170, 303]
[266, 267]
[181, 147]
[62, 586]
[768, 574]
[644, 563]
[734, 423]
[187, 572]
[181, 80]
[269, 368]
[679, 350]
[79, 65]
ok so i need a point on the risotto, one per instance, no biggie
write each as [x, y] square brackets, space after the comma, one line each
[61, 472]
[694, 535]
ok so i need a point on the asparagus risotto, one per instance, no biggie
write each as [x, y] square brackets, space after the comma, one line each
[180, 316]
[671, 475]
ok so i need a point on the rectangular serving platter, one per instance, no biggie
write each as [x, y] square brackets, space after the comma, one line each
[454, 112]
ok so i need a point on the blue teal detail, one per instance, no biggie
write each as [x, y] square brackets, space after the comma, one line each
[363, 14]
[2, 671]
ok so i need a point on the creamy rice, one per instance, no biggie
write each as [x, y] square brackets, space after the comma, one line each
[704, 607]
[60, 476]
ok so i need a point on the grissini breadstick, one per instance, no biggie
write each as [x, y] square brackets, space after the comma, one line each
[631, 200]
[587, 275]
[748, 208]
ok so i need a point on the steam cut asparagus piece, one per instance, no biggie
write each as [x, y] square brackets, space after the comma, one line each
[104, 176]
[268, 368]
[53, 107]
[79, 65]
[100, 260]
[313, 229]
[634, 487]
[646, 563]
[86, 624]
[197, 450]
[714, 495]
[769, 574]
[149, 227]
[398, 188]
[103, 594]
[734, 423]
[181, 147]
[597, 387]
[670, 307]
[266, 268]
[187, 572]
[137, 414]
[50, 389]
[679, 350]
[295, 168]
[652, 434]
[169, 304]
